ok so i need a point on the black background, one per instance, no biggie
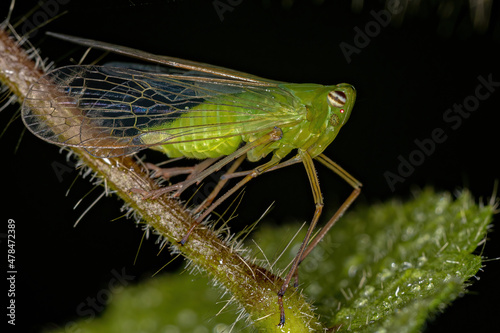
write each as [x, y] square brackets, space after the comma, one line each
[406, 77]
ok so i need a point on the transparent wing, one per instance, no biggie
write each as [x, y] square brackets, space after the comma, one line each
[115, 111]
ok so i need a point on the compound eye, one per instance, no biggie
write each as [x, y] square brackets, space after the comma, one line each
[337, 98]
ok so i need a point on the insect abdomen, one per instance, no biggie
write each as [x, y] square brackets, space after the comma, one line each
[218, 126]
[213, 136]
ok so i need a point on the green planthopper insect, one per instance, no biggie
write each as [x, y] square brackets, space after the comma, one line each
[197, 111]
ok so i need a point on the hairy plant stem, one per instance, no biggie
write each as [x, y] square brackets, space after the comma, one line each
[253, 287]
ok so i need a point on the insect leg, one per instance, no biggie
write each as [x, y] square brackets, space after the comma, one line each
[193, 171]
[274, 135]
[323, 159]
[219, 185]
[294, 160]
[231, 174]
[318, 200]
[354, 194]
[255, 172]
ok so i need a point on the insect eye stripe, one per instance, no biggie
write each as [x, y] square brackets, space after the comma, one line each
[337, 98]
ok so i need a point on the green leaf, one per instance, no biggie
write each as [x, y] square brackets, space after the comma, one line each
[169, 303]
[388, 267]
[383, 268]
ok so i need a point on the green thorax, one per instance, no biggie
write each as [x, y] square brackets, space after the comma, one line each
[320, 121]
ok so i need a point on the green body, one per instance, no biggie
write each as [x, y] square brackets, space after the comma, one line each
[197, 110]
[305, 117]
[201, 111]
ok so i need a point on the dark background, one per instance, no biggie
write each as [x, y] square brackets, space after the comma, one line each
[406, 77]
